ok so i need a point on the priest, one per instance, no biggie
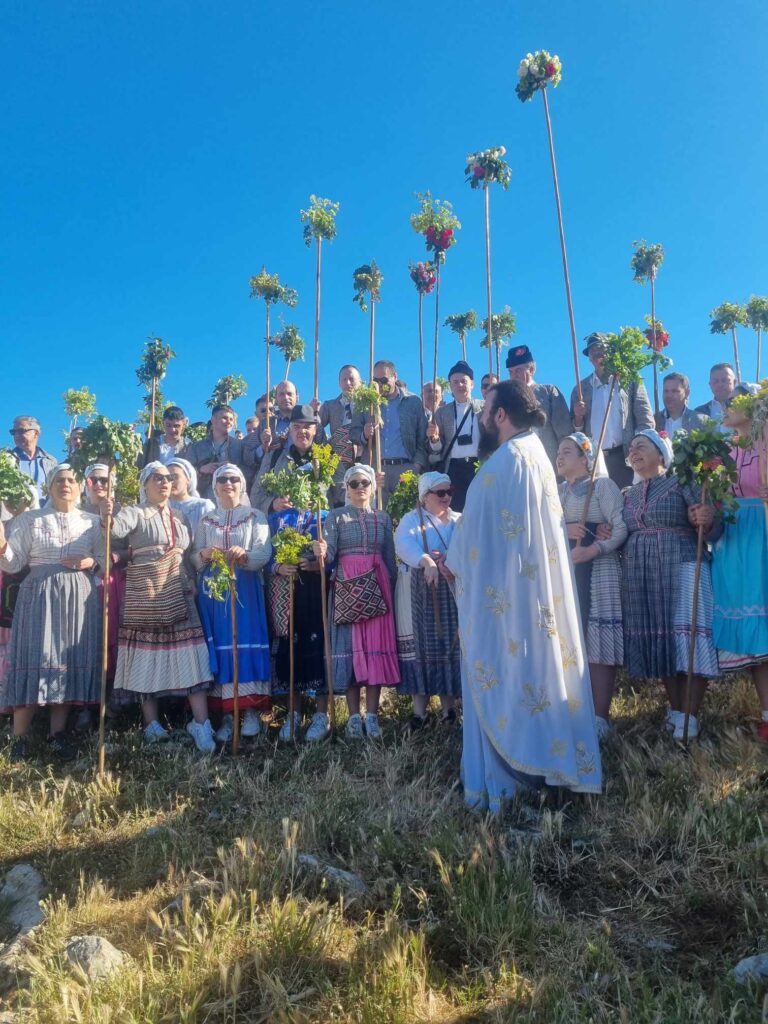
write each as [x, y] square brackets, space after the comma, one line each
[528, 713]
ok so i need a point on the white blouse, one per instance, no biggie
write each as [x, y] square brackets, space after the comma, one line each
[409, 545]
[44, 537]
[239, 527]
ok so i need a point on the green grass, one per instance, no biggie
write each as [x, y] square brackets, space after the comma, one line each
[631, 907]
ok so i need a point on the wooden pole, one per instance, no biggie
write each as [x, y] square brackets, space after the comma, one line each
[153, 400]
[435, 604]
[316, 385]
[737, 364]
[326, 630]
[105, 627]
[599, 448]
[488, 274]
[694, 620]
[653, 335]
[759, 345]
[463, 340]
[291, 660]
[266, 303]
[421, 345]
[437, 332]
[568, 298]
[235, 670]
[374, 441]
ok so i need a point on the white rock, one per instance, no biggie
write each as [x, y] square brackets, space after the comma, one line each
[752, 968]
[22, 889]
[97, 956]
[345, 881]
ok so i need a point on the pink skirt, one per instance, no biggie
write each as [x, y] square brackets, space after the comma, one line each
[374, 642]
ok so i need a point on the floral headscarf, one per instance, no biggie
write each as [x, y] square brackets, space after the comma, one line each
[661, 441]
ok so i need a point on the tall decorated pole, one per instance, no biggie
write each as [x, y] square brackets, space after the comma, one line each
[498, 330]
[152, 369]
[424, 278]
[702, 460]
[227, 390]
[220, 583]
[757, 318]
[267, 287]
[483, 169]
[460, 323]
[535, 73]
[77, 403]
[367, 280]
[646, 261]
[437, 222]
[319, 225]
[291, 344]
[726, 318]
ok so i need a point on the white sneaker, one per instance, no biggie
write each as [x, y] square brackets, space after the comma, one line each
[693, 726]
[285, 728]
[154, 732]
[251, 724]
[226, 729]
[354, 730]
[202, 734]
[319, 728]
[603, 727]
[372, 727]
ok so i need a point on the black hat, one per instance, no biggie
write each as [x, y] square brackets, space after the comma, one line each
[595, 338]
[461, 367]
[519, 356]
[304, 414]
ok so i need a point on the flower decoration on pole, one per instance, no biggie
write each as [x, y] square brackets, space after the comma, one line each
[483, 169]
[535, 73]
[727, 317]
[437, 222]
[15, 488]
[502, 327]
[460, 323]
[702, 460]
[646, 261]
[268, 287]
[757, 318]
[227, 390]
[152, 369]
[291, 344]
[424, 278]
[319, 226]
[367, 280]
[78, 403]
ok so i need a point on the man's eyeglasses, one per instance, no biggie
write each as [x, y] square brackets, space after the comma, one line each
[228, 480]
[445, 492]
[21, 430]
[354, 484]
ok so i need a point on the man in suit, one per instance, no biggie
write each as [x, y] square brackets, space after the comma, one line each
[336, 414]
[722, 382]
[297, 451]
[403, 433]
[272, 432]
[676, 414]
[429, 401]
[522, 366]
[630, 411]
[219, 447]
[454, 433]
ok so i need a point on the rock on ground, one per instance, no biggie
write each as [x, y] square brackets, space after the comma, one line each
[752, 968]
[346, 882]
[22, 889]
[96, 956]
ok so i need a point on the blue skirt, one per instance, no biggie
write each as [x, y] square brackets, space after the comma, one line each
[740, 583]
[252, 643]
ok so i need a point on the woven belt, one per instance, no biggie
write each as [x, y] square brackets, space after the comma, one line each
[394, 462]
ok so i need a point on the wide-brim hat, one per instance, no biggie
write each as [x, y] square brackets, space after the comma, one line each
[304, 414]
[519, 356]
[595, 338]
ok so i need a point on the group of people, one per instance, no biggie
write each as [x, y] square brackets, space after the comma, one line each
[502, 589]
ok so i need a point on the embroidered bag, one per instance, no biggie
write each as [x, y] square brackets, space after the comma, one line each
[359, 598]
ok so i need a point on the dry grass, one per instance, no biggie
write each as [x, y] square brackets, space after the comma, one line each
[632, 907]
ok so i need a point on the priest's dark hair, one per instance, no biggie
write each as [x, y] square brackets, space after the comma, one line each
[518, 402]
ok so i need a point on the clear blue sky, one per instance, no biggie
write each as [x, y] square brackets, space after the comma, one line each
[156, 154]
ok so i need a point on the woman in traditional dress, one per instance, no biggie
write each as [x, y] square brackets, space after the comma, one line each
[160, 658]
[9, 591]
[358, 540]
[242, 534]
[657, 585]
[427, 621]
[55, 639]
[740, 570]
[184, 496]
[597, 568]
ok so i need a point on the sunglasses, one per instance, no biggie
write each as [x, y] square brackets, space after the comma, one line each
[161, 478]
[99, 480]
[21, 430]
[354, 484]
[228, 480]
[445, 492]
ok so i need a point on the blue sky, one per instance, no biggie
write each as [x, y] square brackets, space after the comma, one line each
[156, 154]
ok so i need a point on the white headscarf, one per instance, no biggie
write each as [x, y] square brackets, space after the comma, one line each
[189, 472]
[146, 473]
[361, 469]
[428, 482]
[662, 443]
[230, 469]
[587, 446]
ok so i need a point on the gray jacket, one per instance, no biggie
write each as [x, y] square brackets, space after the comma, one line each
[413, 429]
[692, 419]
[552, 402]
[201, 452]
[275, 460]
[446, 424]
[636, 412]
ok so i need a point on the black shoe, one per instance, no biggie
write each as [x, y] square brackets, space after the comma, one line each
[19, 750]
[61, 748]
[449, 718]
[416, 723]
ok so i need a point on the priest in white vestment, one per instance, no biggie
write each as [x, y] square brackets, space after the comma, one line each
[528, 712]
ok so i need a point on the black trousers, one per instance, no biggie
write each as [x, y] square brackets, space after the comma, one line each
[462, 473]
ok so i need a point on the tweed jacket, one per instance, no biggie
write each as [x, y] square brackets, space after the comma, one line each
[446, 424]
[201, 452]
[692, 419]
[636, 412]
[552, 402]
[413, 429]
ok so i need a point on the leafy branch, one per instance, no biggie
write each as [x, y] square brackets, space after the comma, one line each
[646, 261]
[291, 344]
[15, 487]
[504, 325]
[703, 456]
[79, 403]
[290, 546]
[268, 287]
[221, 581]
[319, 220]
[626, 355]
[488, 166]
[226, 390]
[112, 442]
[154, 361]
[726, 317]
[367, 280]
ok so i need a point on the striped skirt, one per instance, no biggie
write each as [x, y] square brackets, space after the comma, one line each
[605, 633]
[55, 651]
[430, 657]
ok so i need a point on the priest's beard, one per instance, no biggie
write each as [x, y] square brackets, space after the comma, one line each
[489, 440]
